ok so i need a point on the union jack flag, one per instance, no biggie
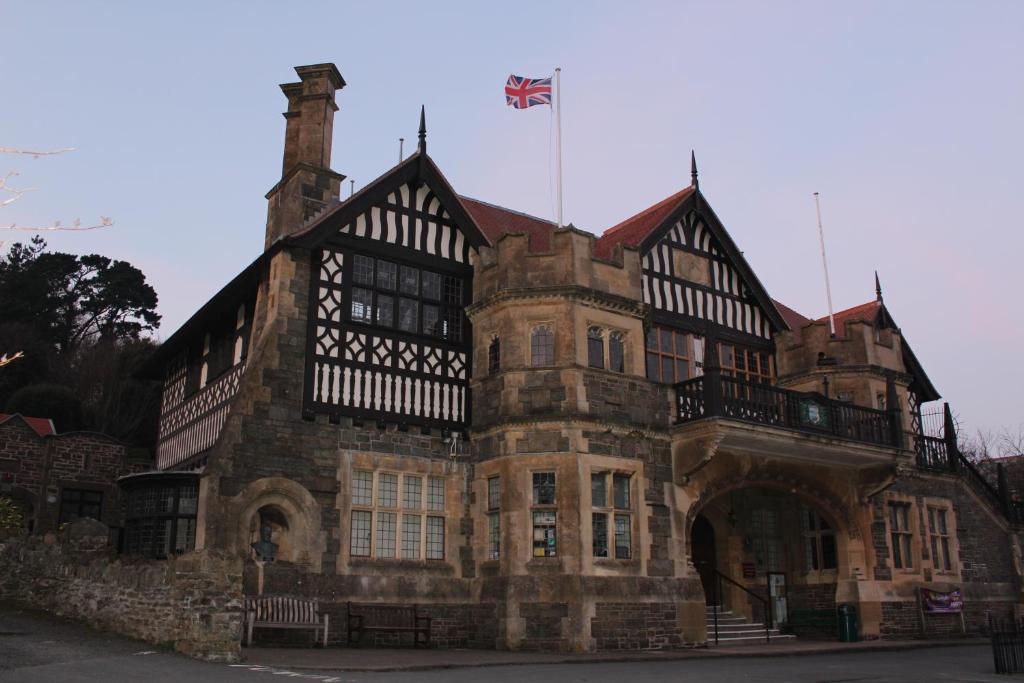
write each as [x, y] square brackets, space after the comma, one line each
[521, 92]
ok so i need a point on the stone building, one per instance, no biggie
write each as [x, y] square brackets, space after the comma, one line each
[58, 478]
[555, 440]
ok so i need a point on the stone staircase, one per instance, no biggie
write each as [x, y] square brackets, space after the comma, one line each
[736, 630]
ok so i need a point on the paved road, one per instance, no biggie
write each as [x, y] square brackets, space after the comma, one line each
[37, 648]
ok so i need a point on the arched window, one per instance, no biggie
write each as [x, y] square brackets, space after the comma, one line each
[494, 356]
[616, 353]
[595, 347]
[542, 346]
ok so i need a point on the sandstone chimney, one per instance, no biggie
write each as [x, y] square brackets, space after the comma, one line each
[307, 182]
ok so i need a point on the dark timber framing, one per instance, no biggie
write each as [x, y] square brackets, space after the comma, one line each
[409, 216]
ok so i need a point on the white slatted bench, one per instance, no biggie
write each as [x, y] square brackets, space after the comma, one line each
[281, 612]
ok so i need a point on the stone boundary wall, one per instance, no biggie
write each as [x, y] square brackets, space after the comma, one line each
[192, 603]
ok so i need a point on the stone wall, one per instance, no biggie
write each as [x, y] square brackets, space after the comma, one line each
[37, 469]
[636, 626]
[192, 603]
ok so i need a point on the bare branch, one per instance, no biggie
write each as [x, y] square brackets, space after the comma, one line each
[34, 152]
[7, 360]
[75, 226]
[17, 193]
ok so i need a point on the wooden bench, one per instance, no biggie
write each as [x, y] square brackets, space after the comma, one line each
[282, 612]
[387, 619]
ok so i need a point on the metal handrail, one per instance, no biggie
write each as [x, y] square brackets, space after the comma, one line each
[764, 603]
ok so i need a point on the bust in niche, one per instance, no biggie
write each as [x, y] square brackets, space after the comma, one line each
[265, 548]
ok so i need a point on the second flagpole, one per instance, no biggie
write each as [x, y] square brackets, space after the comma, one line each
[558, 136]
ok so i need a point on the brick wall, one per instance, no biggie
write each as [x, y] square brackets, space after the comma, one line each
[192, 602]
[635, 626]
[817, 597]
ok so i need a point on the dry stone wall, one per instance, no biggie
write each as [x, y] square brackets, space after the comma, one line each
[192, 603]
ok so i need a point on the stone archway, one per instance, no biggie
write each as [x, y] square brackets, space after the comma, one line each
[291, 511]
[766, 533]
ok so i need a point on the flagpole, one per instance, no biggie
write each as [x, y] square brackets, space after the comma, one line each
[824, 265]
[558, 142]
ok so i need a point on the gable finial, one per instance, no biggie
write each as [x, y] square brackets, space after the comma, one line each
[423, 129]
[878, 288]
[693, 171]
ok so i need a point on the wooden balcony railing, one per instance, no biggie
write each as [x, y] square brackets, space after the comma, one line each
[718, 395]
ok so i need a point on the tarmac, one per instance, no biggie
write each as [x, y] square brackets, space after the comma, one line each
[404, 659]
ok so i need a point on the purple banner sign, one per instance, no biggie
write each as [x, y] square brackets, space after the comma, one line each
[942, 603]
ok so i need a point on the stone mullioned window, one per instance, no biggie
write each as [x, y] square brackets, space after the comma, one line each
[940, 539]
[397, 516]
[901, 535]
[545, 515]
[611, 519]
[597, 352]
[493, 518]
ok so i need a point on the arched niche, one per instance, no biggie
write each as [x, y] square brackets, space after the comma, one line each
[291, 511]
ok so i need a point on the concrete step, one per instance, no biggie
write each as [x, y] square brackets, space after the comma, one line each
[748, 639]
[738, 628]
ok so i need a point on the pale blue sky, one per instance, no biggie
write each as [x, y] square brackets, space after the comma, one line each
[905, 116]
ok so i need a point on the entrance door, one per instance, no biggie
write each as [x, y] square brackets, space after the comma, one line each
[702, 544]
[777, 596]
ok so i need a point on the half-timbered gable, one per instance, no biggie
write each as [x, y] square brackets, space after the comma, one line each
[696, 281]
[388, 334]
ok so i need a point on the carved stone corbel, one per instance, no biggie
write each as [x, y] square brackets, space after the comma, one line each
[691, 456]
[871, 482]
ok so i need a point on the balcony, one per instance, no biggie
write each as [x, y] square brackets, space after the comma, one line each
[718, 396]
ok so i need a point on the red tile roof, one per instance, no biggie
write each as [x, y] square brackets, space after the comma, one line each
[40, 425]
[632, 231]
[865, 312]
[794, 320]
[496, 221]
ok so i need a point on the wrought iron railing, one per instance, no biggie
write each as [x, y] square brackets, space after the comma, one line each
[724, 396]
[1007, 644]
[942, 454]
[766, 612]
[932, 453]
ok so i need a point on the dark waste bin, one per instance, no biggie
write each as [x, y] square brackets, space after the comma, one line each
[848, 623]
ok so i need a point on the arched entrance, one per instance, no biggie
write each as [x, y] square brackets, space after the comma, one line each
[703, 553]
[778, 544]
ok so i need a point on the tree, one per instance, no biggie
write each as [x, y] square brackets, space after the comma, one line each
[81, 322]
[74, 299]
[9, 195]
[55, 401]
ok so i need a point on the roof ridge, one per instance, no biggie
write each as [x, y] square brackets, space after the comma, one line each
[865, 305]
[505, 208]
